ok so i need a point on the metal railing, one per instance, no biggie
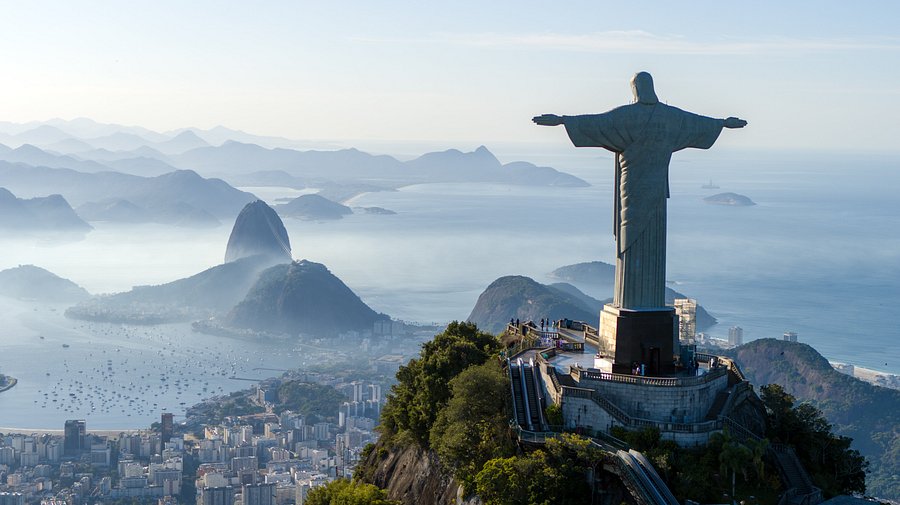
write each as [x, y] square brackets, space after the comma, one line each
[579, 373]
[729, 363]
[738, 393]
[738, 430]
[635, 422]
[555, 381]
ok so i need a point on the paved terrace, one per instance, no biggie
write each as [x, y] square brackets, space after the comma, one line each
[577, 345]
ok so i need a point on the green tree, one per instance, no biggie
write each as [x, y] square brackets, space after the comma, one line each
[554, 414]
[473, 427]
[423, 389]
[315, 401]
[534, 479]
[831, 463]
[555, 475]
[346, 492]
[734, 457]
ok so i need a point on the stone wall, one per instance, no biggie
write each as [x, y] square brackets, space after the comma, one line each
[585, 413]
[680, 404]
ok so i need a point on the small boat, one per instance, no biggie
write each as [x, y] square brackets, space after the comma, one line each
[710, 185]
[66, 346]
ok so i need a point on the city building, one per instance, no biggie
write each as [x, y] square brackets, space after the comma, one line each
[375, 392]
[258, 494]
[74, 433]
[735, 336]
[217, 496]
[356, 391]
[167, 427]
[12, 498]
[686, 310]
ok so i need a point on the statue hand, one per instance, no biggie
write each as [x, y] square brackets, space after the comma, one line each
[548, 120]
[734, 122]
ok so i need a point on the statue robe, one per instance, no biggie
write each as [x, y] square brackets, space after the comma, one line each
[643, 136]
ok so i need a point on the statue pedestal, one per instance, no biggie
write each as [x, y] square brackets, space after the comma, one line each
[639, 337]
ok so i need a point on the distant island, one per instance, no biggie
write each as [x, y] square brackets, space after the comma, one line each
[732, 199]
[28, 282]
[7, 382]
[41, 214]
[313, 208]
[593, 272]
[378, 211]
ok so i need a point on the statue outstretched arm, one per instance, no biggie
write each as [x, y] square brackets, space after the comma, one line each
[734, 122]
[548, 120]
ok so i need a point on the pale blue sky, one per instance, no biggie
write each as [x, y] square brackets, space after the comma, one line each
[823, 75]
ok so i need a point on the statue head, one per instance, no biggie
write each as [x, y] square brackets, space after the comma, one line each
[642, 87]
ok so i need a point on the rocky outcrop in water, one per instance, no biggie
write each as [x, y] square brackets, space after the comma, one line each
[41, 214]
[302, 297]
[730, 199]
[258, 231]
[313, 208]
[29, 282]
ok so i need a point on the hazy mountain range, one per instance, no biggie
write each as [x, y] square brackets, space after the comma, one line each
[88, 146]
[186, 177]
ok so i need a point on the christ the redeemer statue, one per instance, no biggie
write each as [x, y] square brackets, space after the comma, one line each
[643, 135]
[637, 329]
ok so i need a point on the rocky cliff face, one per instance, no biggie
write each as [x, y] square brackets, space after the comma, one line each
[258, 231]
[412, 475]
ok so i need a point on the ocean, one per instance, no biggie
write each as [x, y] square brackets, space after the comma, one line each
[819, 254]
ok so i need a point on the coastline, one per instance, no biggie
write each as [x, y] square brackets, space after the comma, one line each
[870, 375]
[43, 431]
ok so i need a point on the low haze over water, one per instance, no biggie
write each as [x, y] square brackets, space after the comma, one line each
[819, 255]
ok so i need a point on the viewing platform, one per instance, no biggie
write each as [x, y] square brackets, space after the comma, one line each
[561, 365]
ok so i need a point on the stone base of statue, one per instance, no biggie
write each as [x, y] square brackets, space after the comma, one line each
[639, 337]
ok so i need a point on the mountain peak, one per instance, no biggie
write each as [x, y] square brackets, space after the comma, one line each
[258, 230]
[302, 297]
[28, 149]
[188, 135]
